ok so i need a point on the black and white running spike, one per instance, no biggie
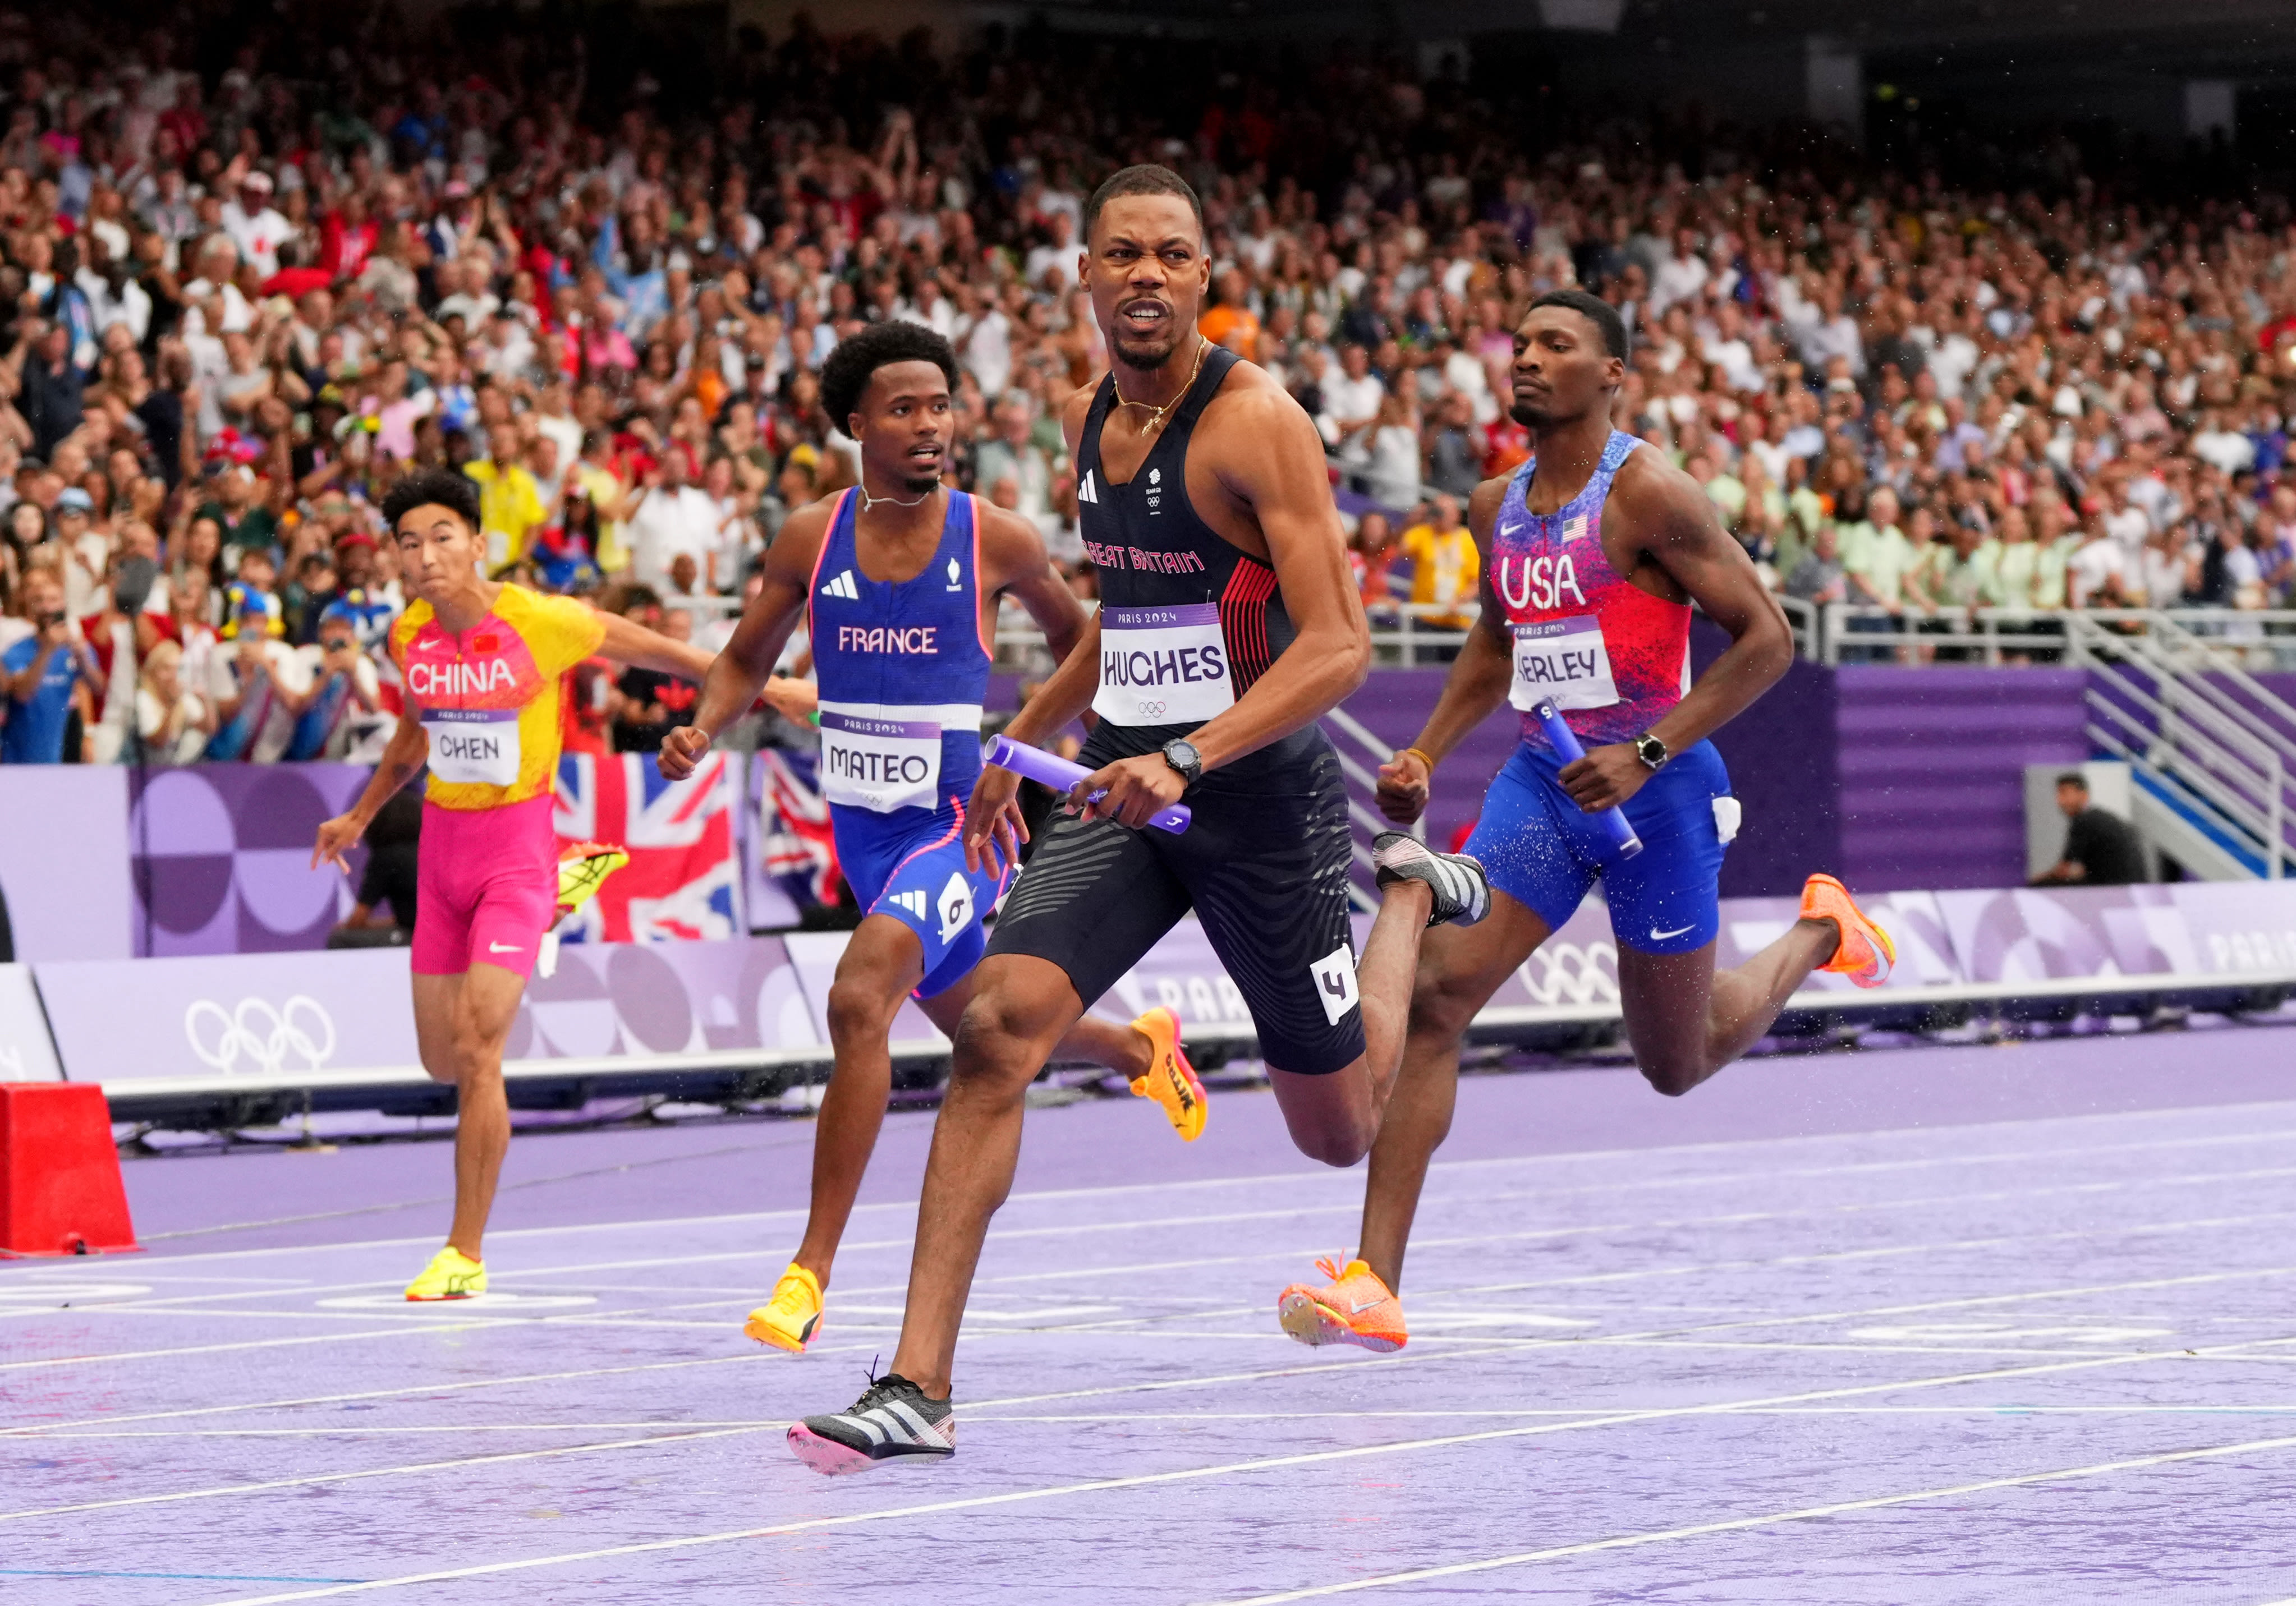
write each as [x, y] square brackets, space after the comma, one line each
[1463, 893]
[892, 1419]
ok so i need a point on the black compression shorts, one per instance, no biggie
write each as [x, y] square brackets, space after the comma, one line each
[1263, 865]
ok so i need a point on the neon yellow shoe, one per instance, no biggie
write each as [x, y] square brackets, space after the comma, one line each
[789, 1320]
[451, 1276]
[1171, 1080]
[583, 868]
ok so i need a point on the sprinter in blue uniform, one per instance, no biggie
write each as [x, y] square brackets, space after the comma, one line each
[898, 580]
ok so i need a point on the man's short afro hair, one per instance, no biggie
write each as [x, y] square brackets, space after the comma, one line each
[1145, 178]
[448, 488]
[851, 362]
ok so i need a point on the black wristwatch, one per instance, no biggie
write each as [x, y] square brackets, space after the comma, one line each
[1181, 754]
[1652, 752]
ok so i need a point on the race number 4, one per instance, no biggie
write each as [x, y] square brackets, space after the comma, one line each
[1335, 983]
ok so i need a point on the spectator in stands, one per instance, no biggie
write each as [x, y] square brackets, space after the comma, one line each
[2101, 848]
[173, 721]
[48, 674]
[1446, 568]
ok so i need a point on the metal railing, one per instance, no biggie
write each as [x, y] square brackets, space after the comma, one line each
[1851, 632]
[2213, 750]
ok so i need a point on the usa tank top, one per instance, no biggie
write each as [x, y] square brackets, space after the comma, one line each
[1188, 620]
[902, 667]
[1608, 654]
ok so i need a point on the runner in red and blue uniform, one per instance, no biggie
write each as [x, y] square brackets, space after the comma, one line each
[1593, 552]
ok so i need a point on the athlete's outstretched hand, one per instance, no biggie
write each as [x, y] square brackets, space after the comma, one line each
[1403, 783]
[682, 750]
[994, 829]
[337, 838]
[1606, 777]
[791, 698]
[1138, 788]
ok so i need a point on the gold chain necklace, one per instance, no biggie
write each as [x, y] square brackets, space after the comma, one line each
[1156, 414]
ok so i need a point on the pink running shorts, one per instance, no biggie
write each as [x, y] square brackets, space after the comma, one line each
[486, 887]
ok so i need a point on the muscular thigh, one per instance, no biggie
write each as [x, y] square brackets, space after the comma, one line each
[1268, 875]
[1093, 898]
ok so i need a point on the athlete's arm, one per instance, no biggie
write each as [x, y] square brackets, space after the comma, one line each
[1679, 530]
[730, 684]
[627, 642]
[1476, 685]
[402, 761]
[1013, 554]
[1270, 459]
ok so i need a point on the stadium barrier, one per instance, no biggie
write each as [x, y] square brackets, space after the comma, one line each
[243, 1039]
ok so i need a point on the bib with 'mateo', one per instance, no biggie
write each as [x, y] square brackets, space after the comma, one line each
[488, 698]
[902, 667]
[1608, 654]
[1187, 621]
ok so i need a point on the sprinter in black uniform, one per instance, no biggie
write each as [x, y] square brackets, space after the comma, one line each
[1229, 625]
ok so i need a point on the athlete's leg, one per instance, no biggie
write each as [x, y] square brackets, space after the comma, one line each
[1334, 1117]
[880, 966]
[1687, 1020]
[461, 1024]
[1021, 1008]
[1459, 969]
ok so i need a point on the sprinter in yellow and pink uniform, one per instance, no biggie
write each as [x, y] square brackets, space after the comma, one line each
[482, 663]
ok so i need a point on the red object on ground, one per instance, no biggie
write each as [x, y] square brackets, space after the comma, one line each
[61, 1193]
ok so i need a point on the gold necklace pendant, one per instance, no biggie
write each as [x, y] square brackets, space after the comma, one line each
[1156, 414]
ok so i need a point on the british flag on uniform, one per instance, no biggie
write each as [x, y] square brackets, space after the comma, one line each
[682, 880]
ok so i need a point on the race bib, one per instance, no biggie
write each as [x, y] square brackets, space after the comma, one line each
[473, 747]
[880, 765]
[1561, 661]
[1163, 666]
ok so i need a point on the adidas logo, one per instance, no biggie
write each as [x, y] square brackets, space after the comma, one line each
[1086, 491]
[913, 902]
[843, 586]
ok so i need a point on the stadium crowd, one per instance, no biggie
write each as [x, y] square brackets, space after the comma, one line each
[244, 293]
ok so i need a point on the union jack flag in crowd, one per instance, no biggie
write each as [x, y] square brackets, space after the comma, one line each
[684, 879]
[796, 848]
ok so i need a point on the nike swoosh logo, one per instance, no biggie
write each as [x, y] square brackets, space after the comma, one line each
[511, 947]
[1359, 1309]
[1658, 936]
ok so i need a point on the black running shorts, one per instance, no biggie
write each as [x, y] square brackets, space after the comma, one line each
[1263, 865]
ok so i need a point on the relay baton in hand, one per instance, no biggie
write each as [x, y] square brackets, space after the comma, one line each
[1566, 745]
[1062, 776]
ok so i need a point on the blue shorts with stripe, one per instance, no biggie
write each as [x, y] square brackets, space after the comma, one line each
[1544, 851]
[910, 865]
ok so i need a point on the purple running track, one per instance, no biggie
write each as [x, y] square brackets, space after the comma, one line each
[1937, 1325]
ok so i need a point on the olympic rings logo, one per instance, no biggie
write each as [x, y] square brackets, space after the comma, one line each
[264, 1035]
[1151, 711]
[1569, 972]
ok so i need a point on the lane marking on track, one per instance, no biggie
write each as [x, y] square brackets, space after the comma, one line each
[1959, 1156]
[1733, 1525]
[1267, 1464]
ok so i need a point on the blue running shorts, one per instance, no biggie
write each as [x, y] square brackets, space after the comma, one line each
[911, 866]
[1542, 850]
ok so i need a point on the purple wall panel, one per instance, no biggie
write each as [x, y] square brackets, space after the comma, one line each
[224, 851]
[63, 860]
[1784, 763]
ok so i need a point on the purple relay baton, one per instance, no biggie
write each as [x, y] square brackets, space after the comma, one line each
[1566, 745]
[1061, 774]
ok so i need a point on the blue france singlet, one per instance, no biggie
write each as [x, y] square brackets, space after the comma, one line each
[902, 667]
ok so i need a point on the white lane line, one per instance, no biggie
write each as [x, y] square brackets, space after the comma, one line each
[1191, 1474]
[2287, 1408]
[401, 1331]
[457, 1464]
[1959, 1156]
[1738, 1524]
